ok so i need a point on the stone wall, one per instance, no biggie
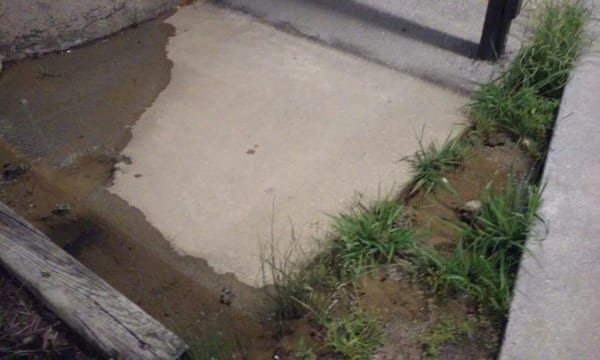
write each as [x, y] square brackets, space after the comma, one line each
[30, 27]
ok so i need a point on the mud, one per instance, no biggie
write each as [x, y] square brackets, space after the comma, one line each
[61, 106]
[484, 166]
[64, 119]
[117, 248]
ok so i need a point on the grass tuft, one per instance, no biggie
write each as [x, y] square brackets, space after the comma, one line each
[524, 101]
[429, 163]
[518, 111]
[486, 259]
[355, 336]
[445, 332]
[368, 237]
[551, 49]
[294, 281]
[303, 351]
[210, 344]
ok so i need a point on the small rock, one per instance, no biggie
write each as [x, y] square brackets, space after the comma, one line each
[226, 296]
[472, 206]
[62, 209]
[526, 143]
[469, 209]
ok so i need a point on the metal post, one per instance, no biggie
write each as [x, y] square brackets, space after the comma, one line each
[498, 17]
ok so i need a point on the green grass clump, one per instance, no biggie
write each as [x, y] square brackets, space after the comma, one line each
[355, 337]
[485, 262]
[445, 332]
[367, 237]
[429, 163]
[525, 99]
[209, 344]
[292, 280]
[544, 63]
[521, 112]
[303, 351]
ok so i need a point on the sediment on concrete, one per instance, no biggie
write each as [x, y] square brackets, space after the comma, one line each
[555, 313]
[32, 28]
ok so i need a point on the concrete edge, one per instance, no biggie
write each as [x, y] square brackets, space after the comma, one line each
[555, 311]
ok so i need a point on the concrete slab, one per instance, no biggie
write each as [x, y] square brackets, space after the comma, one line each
[258, 128]
[555, 313]
[432, 39]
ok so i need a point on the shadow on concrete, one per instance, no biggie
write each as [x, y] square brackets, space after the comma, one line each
[402, 26]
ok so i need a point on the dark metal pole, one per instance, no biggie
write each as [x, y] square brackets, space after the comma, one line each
[498, 17]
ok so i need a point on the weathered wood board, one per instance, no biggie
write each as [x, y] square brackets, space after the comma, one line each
[79, 297]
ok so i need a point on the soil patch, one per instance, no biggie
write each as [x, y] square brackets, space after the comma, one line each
[407, 308]
[61, 106]
[64, 118]
[57, 201]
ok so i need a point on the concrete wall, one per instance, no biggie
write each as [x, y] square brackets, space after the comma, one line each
[29, 27]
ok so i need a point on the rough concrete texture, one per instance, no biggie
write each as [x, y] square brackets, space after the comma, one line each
[36, 27]
[555, 313]
[432, 39]
[260, 128]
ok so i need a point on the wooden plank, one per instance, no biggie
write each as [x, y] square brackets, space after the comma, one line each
[80, 298]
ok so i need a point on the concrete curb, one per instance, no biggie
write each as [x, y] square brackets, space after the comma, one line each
[555, 312]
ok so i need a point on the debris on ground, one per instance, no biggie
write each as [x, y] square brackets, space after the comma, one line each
[62, 209]
[226, 296]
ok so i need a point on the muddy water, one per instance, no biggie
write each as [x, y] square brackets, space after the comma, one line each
[65, 118]
[61, 105]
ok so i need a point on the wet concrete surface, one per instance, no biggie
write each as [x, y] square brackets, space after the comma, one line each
[63, 105]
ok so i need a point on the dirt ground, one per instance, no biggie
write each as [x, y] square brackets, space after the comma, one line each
[407, 310]
[60, 147]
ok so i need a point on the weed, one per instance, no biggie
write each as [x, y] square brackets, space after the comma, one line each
[545, 61]
[429, 163]
[486, 259]
[293, 280]
[445, 332]
[355, 337]
[367, 237]
[304, 352]
[525, 99]
[209, 344]
[519, 111]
